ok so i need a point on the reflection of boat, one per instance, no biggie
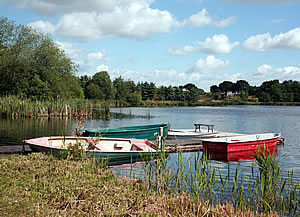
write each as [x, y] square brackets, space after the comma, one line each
[239, 155]
[115, 151]
[241, 143]
[137, 132]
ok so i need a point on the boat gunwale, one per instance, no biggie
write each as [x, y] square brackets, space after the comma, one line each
[43, 142]
[124, 129]
[237, 139]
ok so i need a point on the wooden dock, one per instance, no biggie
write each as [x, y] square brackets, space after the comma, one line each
[174, 143]
[14, 149]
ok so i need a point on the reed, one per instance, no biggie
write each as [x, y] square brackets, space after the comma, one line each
[15, 107]
[265, 191]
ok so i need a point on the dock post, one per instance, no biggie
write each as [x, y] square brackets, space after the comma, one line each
[160, 135]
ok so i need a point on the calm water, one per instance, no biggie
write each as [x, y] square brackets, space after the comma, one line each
[239, 119]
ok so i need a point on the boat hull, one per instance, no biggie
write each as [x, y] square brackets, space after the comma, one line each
[137, 132]
[239, 155]
[241, 143]
[112, 158]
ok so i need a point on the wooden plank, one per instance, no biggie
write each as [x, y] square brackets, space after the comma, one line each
[14, 149]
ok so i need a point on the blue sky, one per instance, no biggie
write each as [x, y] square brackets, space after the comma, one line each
[172, 42]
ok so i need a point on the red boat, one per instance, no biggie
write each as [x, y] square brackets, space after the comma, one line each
[239, 155]
[252, 143]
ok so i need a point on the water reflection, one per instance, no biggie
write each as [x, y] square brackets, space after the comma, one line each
[14, 131]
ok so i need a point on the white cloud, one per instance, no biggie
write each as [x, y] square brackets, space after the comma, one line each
[136, 20]
[94, 20]
[202, 18]
[72, 52]
[209, 65]
[54, 7]
[96, 57]
[263, 42]
[263, 69]
[94, 62]
[43, 26]
[199, 19]
[172, 77]
[217, 44]
[225, 22]
[102, 67]
[267, 72]
[288, 73]
[89, 63]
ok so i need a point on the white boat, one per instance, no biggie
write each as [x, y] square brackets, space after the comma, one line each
[181, 133]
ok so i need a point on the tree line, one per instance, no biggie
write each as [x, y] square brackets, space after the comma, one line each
[100, 86]
[268, 91]
[33, 66]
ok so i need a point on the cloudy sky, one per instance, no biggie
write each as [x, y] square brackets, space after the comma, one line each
[172, 42]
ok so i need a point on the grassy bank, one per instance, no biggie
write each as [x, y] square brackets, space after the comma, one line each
[41, 185]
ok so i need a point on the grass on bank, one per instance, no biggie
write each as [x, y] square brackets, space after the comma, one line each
[41, 185]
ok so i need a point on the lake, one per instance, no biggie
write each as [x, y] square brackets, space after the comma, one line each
[238, 119]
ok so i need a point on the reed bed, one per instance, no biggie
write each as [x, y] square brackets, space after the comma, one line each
[265, 191]
[15, 107]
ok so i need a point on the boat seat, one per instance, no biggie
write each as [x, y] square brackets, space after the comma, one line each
[123, 146]
[102, 148]
[142, 146]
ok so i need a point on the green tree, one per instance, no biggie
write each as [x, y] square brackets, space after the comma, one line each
[93, 91]
[179, 93]
[147, 90]
[151, 91]
[27, 56]
[215, 89]
[38, 89]
[274, 89]
[225, 87]
[125, 90]
[240, 86]
[264, 97]
[192, 92]
[171, 93]
[101, 81]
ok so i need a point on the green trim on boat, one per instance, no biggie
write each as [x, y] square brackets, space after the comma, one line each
[137, 132]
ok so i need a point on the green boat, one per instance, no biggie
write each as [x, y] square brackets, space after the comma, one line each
[137, 132]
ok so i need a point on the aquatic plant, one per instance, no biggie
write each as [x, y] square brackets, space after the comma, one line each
[265, 191]
[16, 107]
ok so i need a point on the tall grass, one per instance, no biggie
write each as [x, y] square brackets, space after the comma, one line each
[264, 191]
[15, 107]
